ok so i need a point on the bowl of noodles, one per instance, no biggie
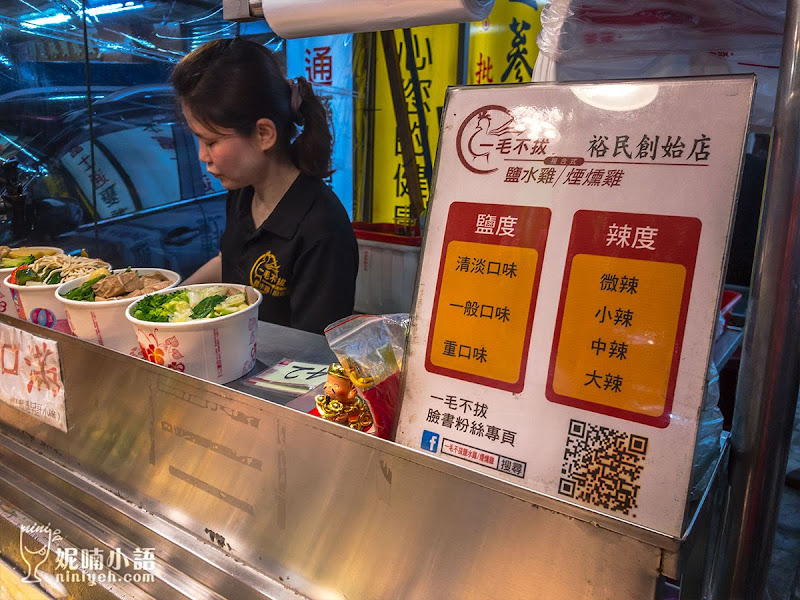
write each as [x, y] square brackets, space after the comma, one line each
[10, 259]
[96, 303]
[33, 287]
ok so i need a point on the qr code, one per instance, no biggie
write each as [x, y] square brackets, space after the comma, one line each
[602, 466]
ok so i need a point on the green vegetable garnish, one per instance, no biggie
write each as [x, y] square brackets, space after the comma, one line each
[176, 307]
[52, 279]
[159, 307]
[26, 275]
[84, 292]
[7, 263]
[205, 306]
[231, 304]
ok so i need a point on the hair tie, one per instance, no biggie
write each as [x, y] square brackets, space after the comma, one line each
[297, 99]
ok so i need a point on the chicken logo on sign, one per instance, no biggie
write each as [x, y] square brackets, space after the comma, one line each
[480, 135]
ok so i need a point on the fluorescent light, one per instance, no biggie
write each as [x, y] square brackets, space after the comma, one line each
[51, 20]
[17, 146]
[73, 97]
[107, 9]
[104, 9]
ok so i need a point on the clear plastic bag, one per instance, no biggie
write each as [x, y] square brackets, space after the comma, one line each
[609, 39]
[370, 348]
[709, 431]
[579, 29]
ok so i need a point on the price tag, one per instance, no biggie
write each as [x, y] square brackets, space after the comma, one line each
[290, 376]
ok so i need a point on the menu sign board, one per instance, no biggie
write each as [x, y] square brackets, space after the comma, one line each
[569, 286]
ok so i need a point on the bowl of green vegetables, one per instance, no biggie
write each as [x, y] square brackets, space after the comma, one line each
[205, 330]
[33, 287]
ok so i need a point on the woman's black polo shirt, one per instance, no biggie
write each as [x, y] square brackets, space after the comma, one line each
[303, 257]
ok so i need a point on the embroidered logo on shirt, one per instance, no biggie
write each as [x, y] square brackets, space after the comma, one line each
[264, 276]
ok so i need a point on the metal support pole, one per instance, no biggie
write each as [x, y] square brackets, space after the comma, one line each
[403, 127]
[463, 54]
[768, 381]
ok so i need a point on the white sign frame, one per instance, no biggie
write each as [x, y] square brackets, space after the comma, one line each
[570, 118]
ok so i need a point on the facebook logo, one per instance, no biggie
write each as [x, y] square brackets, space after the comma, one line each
[430, 441]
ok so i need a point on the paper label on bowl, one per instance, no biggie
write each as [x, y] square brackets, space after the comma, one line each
[30, 376]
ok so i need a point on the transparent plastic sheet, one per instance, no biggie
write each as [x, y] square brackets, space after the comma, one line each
[763, 64]
[579, 29]
[582, 40]
[709, 431]
[370, 348]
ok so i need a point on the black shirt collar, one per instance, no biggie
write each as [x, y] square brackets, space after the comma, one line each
[287, 214]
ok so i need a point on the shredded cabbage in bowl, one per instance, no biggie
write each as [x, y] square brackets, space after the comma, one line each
[190, 304]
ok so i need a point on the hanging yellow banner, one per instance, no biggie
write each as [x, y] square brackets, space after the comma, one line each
[502, 49]
[434, 51]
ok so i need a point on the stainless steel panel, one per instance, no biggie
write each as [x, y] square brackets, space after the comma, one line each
[11, 522]
[246, 498]
[89, 516]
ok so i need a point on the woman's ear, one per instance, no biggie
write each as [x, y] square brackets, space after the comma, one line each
[267, 134]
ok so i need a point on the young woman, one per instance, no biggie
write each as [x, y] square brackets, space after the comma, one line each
[286, 234]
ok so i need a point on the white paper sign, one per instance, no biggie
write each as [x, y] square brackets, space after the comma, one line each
[290, 376]
[30, 376]
[569, 286]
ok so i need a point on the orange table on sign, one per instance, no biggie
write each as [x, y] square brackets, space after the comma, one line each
[486, 293]
[618, 332]
[479, 313]
[620, 324]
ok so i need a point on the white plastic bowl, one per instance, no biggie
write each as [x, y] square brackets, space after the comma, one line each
[38, 304]
[6, 302]
[217, 350]
[104, 322]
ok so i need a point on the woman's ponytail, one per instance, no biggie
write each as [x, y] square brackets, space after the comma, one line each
[232, 83]
[311, 150]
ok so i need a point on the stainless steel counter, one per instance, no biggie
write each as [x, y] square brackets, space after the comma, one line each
[243, 498]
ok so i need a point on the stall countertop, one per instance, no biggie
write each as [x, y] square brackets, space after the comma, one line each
[276, 342]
